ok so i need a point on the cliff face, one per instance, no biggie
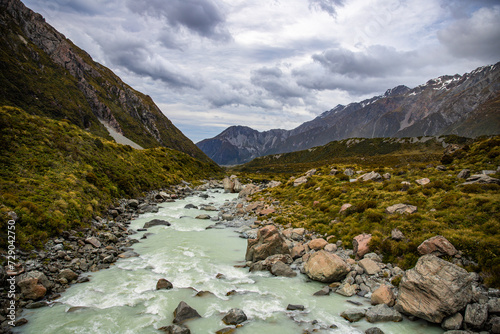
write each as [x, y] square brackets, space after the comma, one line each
[466, 105]
[44, 73]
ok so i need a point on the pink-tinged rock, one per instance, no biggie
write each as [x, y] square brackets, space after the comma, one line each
[298, 251]
[360, 245]
[269, 241]
[325, 267]
[423, 181]
[401, 208]
[369, 266]
[31, 288]
[345, 207]
[317, 244]
[438, 246]
[316, 203]
[267, 211]
[383, 295]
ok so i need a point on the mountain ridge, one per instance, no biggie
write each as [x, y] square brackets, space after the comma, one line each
[465, 105]
[45, 74]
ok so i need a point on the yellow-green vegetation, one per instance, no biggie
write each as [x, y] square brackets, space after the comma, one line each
[467, 215]
[56, 176]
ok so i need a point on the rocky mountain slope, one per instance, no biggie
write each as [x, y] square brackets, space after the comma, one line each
[466, 105]
[44, 73]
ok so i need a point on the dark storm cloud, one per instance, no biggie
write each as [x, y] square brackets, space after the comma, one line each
[329, 6]
[278, 84]
[475, 37]
[202, 17]
[375, 61]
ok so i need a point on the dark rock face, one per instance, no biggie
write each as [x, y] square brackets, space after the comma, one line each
[459, 104]
[156, 222]
[163, 284]
[184, 312]
[175, 329]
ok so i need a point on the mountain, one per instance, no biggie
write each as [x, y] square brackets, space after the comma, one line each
[45, 74]
[466, 105]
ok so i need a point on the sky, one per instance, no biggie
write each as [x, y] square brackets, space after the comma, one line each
[267, 64]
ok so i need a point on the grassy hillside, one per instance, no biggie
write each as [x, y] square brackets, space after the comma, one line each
[56, 176]
[469, 216]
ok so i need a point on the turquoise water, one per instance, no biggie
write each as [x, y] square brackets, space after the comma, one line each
[124, 299]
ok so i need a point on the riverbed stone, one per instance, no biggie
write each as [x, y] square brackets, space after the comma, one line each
[383, 312]
[347, 289]
[401, 208]
[282, 269]
[93, 241]
[453, 322]
[317, 244]
[31, 288]
[369, 266]
[326, 267]
[475, 315]
[235, 316]
[374, 330]
[175, 329]
[360, 245]
[269, 242]
[353, 314]
[156, 222]
[184, 312]
[163, 284]
[434, 289]
[68, 274]
[383, 295]
[295, 307]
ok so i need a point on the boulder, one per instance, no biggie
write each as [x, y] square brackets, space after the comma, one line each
[295, 307]
[360, 245]
[383, 295]
[282, 269]
[401, 208]
[237, 187]
[372, 176]
[226, 330]
[332, 248]
[323, 292]
[383, 312]
[481, 178]
[93, 241]
[133, 203]
[228, 185]
[438, 246]
[434, 289]
[345, 207]
[300, 180]
[163, 284]
[175, 329]
[269, 242]
[203, 216]
[475, 315]
[68, 274]
[235, 316]
[464, 173]
[31, 287]
[184, 312]
[156, 222]
[374, 330]
[423, 181]
[347, 289]
[326, 267]
[369, 266]
[397, 235]
[248, 190]
[317, 244]
[297, 251]
[349, 172]
[353, 315]
[453, 322]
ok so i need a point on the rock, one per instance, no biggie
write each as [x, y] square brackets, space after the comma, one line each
[68, 274]
[494, 305]
[323, 292]
[369, 266]
[300, 180]
[434, 289]
[332, 248]
[494, 325]
[269, 242]
[228, 185]
[372, 176]
[235, 316]
[163, 284]
[423, 181]
[383, 295]
[293, 307]
[184, 312]
[347, 289]
[175, 329]
[226, 330]
[345, 207]
[190, 206]
[464, 173]
[203, 216]
[227, 216]
[282, 269]
[475, 315]
[317, 244]
[349, 172]
[401, 208]
[397, 235]
[438, 246]
[298, 251]
[326, 267]
[208, 208]
[237, 186]
[31, 288]
[248, 190]
[354, 314]
[374, 330]
[133, 203]
[481, 178]
[383, 312]
[128, 254]
[453, 322]
[156, 222]
[93, 241]
[360, 245]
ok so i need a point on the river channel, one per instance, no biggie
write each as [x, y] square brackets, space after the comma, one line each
[124, 299]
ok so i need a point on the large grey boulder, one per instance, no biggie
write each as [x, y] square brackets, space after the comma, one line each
[383, 312]
[438, 246]
[156, 222]
[282, 269]
[476, 315]
[175, 329]
[326, 267]
[434, 289]
[235, 316]
[184, 312]
[269, 242]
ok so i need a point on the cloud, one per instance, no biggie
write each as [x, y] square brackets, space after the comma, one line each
[329, 6]
[477, 36]
[202, 17]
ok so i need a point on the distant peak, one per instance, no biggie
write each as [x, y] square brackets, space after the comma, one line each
[398, 90]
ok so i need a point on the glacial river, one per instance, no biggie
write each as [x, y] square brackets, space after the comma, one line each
[124, 299]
